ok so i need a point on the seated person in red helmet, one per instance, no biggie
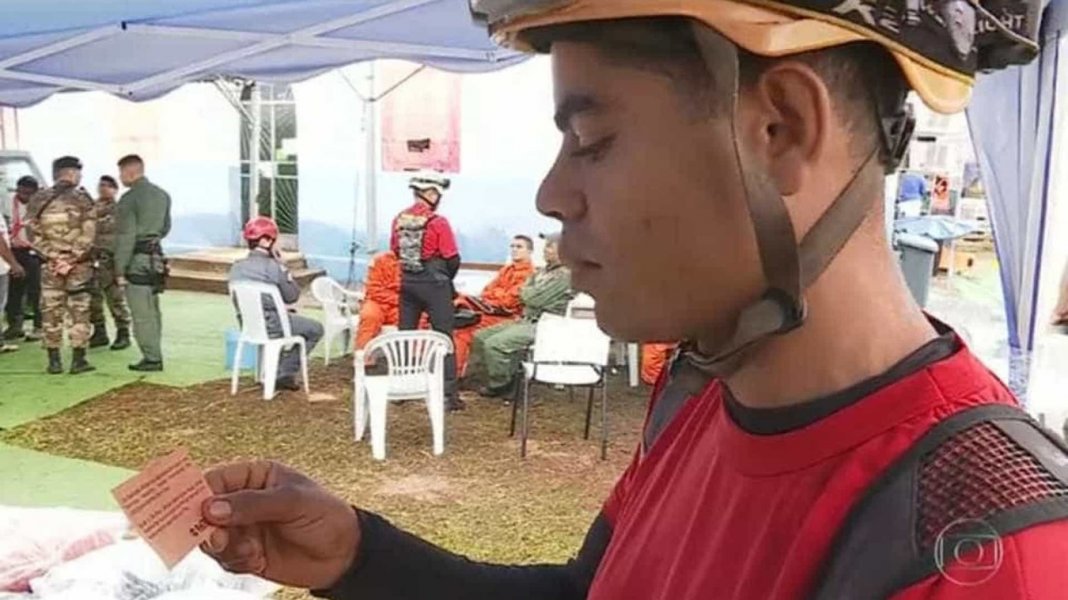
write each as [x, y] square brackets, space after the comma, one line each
[264, 264]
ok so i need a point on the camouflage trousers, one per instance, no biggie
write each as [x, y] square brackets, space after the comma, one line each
[63, 298]
[107, 291]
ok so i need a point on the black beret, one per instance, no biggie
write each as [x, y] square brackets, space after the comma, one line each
[66, 162]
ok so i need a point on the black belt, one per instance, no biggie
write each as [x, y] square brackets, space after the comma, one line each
[147, 247]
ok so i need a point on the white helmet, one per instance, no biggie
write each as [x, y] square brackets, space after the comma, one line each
[421, 182]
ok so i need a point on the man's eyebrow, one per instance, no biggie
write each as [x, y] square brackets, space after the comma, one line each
[572, 105]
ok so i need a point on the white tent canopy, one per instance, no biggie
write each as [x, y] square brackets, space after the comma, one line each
[141, 49]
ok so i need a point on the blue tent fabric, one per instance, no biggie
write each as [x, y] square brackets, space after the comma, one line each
[47, 46]
[1011, 122]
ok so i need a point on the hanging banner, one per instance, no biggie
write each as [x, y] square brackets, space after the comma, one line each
[420, 119]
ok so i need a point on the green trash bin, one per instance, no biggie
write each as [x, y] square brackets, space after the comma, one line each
[916, 254]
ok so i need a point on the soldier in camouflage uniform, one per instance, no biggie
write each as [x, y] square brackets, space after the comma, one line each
[63, 224]
[107, 290]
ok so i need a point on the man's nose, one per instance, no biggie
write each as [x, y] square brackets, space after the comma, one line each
[559, 196]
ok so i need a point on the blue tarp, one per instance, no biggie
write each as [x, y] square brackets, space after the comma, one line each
[140, 49]
[1011, 121]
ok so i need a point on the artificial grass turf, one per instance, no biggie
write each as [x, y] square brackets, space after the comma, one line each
[194, 329]
[42, 480]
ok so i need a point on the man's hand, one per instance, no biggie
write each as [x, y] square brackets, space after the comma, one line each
[17, 271]
[280, 525]
[61, 268]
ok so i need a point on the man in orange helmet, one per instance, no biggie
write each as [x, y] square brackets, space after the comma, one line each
[264, 264]
[499, 301]
[818, 436]
[381, 302]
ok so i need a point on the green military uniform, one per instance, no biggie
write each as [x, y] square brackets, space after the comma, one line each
[107, 291]
[63, 226]
[500, 347]
[144, 219]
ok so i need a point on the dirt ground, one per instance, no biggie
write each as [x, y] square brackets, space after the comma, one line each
[478, 499]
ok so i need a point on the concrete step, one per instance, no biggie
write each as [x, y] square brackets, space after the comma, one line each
[215, 282]
[219, 260]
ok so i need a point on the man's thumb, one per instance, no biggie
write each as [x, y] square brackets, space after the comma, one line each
[252, 507]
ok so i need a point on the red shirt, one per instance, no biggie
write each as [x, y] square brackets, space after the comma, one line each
[713, 512]
[438, 240]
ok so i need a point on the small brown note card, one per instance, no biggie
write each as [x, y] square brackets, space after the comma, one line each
[163, 501]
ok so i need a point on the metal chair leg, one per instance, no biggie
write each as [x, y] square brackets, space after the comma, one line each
[526, 428]
[515, 409]
[604, 420]
[589, 412]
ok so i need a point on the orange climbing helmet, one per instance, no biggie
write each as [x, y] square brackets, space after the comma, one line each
[939, 44]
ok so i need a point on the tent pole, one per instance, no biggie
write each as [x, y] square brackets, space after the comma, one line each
[370, 162]
[254, 153]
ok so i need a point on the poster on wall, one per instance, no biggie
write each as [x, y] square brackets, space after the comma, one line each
[940, 200]
[420, 119]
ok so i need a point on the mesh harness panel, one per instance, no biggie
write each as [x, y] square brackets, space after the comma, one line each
[991, 464]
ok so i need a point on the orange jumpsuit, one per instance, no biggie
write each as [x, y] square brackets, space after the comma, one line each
[502, 293]
[654, 357]
[381, 304]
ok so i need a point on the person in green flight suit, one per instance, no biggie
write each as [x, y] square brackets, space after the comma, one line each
[499, 348]
[144, 220]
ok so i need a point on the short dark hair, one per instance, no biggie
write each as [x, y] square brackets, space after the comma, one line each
[108, 180]
[28, 181]
[526, 240]
[131, 159]
[859, 75]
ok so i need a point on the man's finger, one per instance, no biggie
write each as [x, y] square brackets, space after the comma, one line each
[253, 507]
[239, 476]
[217, 542]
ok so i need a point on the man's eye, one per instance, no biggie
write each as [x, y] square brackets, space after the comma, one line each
[595, 150]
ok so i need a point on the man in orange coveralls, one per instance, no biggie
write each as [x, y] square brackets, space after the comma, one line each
[499, 301]
[654, 357]
[382, 298]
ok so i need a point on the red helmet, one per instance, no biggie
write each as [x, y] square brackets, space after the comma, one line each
[261, 227]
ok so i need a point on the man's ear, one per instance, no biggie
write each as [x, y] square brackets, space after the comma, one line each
[788, 113]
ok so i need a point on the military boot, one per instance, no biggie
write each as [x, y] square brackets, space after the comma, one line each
[122, 339]
[79, 365]
[100, 336]
[55, 362]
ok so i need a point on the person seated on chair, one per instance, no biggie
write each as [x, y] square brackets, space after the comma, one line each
[264, 264]
[501, 347]
[498, 303]
[654, 357]
[381, 303]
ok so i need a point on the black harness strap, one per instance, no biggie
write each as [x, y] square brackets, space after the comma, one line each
[876, 553]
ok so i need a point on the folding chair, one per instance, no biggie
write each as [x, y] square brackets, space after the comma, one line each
[569, 352]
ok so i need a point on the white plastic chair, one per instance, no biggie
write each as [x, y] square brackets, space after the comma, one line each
[337, 313]
[416, 363]
[249, 297]
[569, 352]
[583, 306]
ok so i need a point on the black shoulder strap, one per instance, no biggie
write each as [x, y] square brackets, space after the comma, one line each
[876, 553]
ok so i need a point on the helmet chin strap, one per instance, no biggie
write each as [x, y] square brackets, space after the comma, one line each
[789, 267]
